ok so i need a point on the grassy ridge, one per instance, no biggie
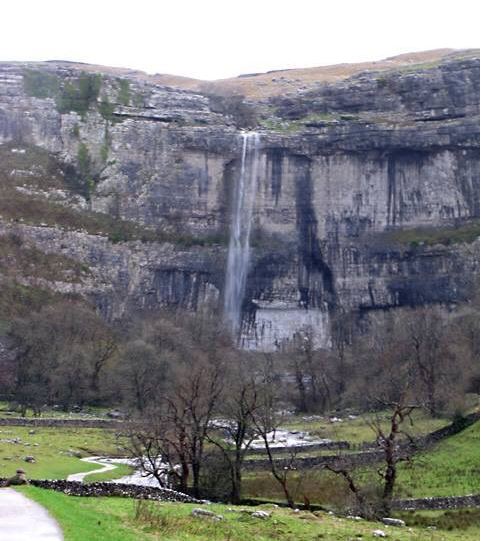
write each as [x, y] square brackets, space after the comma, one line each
[18, 206]
[464, 233]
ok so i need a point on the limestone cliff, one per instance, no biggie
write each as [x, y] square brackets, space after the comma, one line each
[367, 189]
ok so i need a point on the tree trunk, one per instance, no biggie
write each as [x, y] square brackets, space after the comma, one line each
[389, 482]
[287, 495]
[184, 476]
[236, 482]
[196, 477]
[302, 392]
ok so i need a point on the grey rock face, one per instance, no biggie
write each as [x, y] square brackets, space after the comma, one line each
[354, 164]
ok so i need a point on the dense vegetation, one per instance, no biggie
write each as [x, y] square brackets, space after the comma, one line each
[177, 374]
[78, 94]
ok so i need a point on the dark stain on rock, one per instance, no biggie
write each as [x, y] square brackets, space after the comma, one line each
[397, 163]
[275, 157]
[315, 279]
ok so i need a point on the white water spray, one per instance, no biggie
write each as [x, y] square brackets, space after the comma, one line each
[243, 198]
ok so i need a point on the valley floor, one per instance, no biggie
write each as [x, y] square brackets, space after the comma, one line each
[449, 468]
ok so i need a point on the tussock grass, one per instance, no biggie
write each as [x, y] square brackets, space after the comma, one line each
[450, 520]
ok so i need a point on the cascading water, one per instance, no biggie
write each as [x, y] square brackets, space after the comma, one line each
[243, 197]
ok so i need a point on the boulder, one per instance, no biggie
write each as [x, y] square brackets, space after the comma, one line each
[393, 522]
[18, 479]
[116, 414]
[205, 513]
[261, 514]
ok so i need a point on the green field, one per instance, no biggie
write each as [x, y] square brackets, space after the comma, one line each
[357, 430]
[116, 519]
[450, 468]
[57, 451]
[92, 412]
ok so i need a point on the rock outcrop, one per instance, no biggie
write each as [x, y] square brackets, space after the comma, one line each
[367, 190]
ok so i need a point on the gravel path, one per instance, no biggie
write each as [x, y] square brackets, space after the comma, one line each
[22, 519]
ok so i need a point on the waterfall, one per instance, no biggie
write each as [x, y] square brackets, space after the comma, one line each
[243, 196]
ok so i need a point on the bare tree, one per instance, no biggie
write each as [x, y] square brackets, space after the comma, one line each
[60, 353]
[341, 338]
[267, 420]
[235, 430]
[192, 401]
[185, 401]
[397, 446]
[142, 373]
[387, 381]
[310, 368]
[394, 451]
[427, 330]
[149, 442]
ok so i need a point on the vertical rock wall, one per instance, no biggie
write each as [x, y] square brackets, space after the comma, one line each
[349, 167]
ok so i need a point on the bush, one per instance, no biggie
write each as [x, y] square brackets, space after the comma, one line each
[39, 84]
[215, 476]
[123, 95]
[79, 94]
[243, 114]
[106, 109]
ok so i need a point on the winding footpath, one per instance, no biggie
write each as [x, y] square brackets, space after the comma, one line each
[22, 519]
[108, 464]
[92, 460]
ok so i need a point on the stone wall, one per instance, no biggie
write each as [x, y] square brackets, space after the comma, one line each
[76, 488]
[448, 502]
[450, 430]
[371, 455]
[302, 448]
[347, 460]
[55, 423]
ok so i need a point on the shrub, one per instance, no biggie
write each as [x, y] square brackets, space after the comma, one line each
[215, 476]
[40, 84]
[123, 95]
[79, 94]
[84, 164]
[106, 109]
